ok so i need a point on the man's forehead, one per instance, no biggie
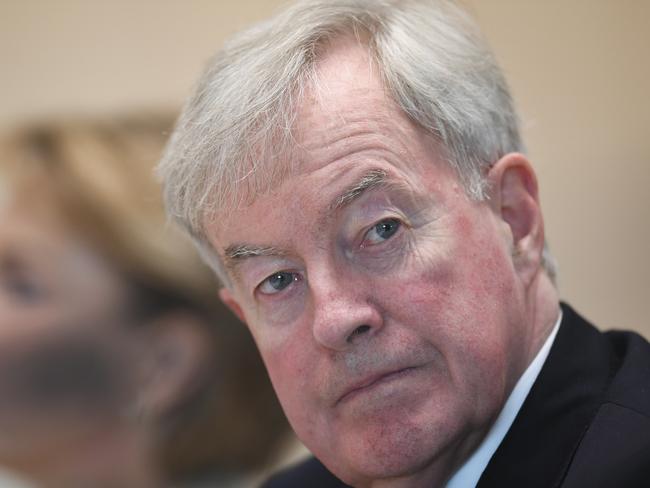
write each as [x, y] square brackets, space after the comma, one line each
[334, 116]
[345, 115]
[343, 64]
[344, 95]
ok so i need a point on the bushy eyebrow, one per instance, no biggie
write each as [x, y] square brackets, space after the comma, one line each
[371, 179]
[238, 252]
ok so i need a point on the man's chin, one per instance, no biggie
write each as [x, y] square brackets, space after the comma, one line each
[386, 453]
[366, 470]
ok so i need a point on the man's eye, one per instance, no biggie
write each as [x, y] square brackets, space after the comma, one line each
[277, 282]
[381, 231]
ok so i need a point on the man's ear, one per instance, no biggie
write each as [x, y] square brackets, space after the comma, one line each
[175, 357]
[229, 300]
[514, 198]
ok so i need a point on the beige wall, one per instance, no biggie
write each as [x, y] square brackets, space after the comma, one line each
[580, 70]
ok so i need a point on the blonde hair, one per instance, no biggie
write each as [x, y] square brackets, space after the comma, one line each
[95, 176]
[99, 173]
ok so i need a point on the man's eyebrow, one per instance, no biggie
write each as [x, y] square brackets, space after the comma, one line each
[374, 178]
[371, 179]
[236, 253]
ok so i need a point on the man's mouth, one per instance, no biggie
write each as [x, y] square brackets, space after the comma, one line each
[373, 381]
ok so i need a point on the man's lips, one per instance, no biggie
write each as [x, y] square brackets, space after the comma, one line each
[372, 381]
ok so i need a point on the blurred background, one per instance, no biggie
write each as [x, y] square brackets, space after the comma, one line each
[579, 70]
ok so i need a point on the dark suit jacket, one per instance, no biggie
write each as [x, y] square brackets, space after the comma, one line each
[585, 422]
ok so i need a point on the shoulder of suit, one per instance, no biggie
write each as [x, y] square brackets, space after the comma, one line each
[630, 385]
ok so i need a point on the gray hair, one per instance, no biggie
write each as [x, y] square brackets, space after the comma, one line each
[232, 138]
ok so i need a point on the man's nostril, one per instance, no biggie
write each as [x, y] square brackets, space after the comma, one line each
[362, 329]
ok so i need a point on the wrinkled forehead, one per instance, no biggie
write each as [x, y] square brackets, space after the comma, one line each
[342, 101]
[343, 109]
[344, 97]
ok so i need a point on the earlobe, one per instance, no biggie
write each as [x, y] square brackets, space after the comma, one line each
[515, 199]
[229, 300]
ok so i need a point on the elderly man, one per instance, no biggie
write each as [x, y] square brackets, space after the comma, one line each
[354, 173]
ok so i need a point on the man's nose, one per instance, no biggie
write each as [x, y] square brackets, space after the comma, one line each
[344, 313]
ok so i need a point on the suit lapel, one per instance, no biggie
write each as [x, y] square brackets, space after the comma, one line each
[539, 446]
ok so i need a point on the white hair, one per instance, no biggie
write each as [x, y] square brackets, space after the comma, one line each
[232, 138]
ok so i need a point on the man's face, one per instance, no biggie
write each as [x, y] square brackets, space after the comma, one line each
[384, 302]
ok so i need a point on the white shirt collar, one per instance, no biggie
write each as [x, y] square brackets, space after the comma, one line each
[470, 472]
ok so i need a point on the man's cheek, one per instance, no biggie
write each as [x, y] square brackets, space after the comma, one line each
[424, 288]
[290, 371]
[296, 381]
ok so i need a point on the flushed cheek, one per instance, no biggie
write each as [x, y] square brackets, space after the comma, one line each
[471, 366]
[456, 307]
[298, 382]
[455, 302]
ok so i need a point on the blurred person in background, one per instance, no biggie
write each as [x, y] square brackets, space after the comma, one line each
[118, 364]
